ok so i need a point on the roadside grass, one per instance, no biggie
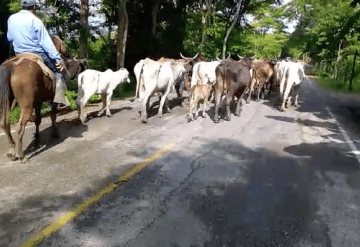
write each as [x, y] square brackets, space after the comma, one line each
[338, 86]
[120, 92]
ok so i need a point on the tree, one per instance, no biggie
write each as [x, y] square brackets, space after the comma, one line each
[228, 31]
[84, 28]
[121, 33]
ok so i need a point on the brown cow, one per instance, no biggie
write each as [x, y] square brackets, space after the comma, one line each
[263, 78]
[232, 78]
[199, 94]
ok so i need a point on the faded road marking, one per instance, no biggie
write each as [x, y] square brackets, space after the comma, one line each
[346, 137]
[62, 220]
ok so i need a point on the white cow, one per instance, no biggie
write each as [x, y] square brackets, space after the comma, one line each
[178, 69]
[153, 76]
[204, 73]
[291, 78]
[92, 82]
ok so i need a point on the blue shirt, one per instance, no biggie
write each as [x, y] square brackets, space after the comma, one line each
[27, 33]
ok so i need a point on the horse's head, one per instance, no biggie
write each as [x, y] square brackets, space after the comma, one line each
[60, 46]
[75, 66]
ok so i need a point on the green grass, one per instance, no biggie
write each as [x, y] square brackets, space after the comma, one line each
[338, 86]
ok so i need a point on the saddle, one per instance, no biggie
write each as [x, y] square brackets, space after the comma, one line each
[35, 58]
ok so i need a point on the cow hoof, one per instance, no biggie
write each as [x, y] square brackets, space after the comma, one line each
[159, 115]
[227, 118]
[24, 160]
[237, 114]
[108, 115]
[247, 101]
[11, 155]
[144, 121]
[216, 120]
[100, 113]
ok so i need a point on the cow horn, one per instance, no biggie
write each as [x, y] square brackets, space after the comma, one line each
[188, 58]
[196, 55]
[253, 57]
[217, 58]
[240, 57]
[229, 55]
[182, 56]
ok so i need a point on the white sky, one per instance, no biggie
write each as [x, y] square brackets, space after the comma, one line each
[290, 25]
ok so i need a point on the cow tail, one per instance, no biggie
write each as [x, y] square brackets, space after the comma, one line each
[5, 92]
[140, 83]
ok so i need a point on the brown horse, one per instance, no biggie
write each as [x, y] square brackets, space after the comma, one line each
[26, 84]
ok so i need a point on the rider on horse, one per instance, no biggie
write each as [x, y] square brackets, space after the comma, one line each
[27, 34]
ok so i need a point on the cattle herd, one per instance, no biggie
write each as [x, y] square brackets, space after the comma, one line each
[220, 81]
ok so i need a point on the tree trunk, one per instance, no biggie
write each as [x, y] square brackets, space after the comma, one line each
[121, 34]
[84, 28]
[237, 13]
[154, 15]
[204, 25]
[353, 71]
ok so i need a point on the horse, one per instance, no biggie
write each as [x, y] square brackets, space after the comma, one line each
[24, 82]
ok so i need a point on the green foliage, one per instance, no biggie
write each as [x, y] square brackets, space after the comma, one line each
[15, 115]
[71, 96]
[336, 85]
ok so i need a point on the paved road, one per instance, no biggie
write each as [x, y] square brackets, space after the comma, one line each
[267, 178]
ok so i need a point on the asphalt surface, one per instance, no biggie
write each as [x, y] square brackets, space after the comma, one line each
[266, 178]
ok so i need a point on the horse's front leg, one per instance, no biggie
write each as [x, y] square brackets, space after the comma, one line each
[55, 131]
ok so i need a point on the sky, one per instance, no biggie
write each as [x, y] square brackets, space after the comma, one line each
[292, 24]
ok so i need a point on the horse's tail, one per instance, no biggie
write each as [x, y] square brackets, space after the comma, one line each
[4, 91]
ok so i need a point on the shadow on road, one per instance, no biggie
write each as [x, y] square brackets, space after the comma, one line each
[242, 196]
[67, 128]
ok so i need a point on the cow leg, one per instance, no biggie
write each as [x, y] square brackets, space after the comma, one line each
[167, 104]
[81, 109]
[37, 125]
[102, 110]
[217, 105]
[55, 131]
[252, 84]
[162, 102]
[229, 97]
[108, 102]
[239, 103]
[204, 107]
[191, 110]
[145, 106]
[24, 119]
[285, 96]
[288, 101]
[296, 93]
[197, 105]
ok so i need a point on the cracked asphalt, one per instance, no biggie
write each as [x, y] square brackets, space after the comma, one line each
[266, 178]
